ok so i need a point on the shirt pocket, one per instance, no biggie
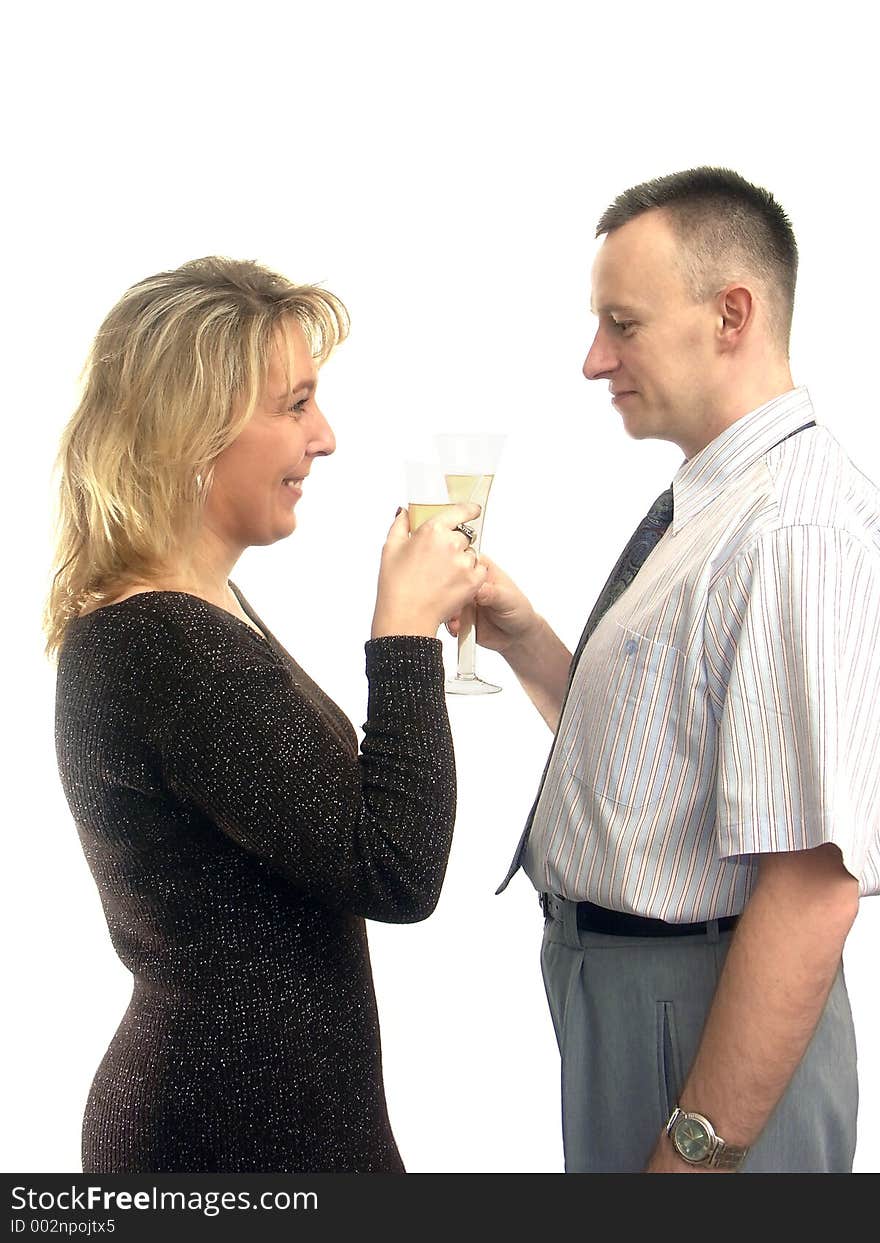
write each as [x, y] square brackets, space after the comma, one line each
[635, 716]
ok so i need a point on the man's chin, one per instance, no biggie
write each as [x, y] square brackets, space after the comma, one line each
[636, 429]
[638, 424]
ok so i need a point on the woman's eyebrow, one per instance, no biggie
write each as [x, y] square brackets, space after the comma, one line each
[307, 386]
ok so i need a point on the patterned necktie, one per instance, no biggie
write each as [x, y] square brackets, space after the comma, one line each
[645, 537]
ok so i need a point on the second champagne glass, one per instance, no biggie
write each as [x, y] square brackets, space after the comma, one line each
[469, 463]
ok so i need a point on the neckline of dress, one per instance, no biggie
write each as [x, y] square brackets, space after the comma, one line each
[218, 608]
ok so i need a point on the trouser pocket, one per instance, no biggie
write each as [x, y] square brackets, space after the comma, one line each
[669, 1076]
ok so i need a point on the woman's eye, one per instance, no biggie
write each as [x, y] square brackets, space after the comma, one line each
[298, 407]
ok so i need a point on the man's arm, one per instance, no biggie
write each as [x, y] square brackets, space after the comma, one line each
[507, 623]
[541, 662]
[776, 978]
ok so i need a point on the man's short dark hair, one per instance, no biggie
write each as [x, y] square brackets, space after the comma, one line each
[727, 229]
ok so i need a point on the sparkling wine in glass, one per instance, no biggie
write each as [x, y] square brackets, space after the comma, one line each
[469, 463]
[426, 488]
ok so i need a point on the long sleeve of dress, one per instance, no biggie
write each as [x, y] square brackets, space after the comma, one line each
[370, 834]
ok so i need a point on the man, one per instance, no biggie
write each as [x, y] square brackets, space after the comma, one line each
[708, 816]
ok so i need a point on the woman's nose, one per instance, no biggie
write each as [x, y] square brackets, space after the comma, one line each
[322, 442]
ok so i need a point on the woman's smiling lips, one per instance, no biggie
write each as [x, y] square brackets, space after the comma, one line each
[293, 485]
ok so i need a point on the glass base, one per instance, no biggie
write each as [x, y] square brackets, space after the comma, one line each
[469, 684]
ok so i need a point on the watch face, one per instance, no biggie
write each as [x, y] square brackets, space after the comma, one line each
[692, 1139]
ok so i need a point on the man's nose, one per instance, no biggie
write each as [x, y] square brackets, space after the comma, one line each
[601, 359]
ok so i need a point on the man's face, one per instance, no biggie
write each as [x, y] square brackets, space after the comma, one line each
[654, 344]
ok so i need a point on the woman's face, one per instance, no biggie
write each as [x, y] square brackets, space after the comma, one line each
[258, 480]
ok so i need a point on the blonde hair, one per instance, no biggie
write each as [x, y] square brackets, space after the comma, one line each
[175, 372]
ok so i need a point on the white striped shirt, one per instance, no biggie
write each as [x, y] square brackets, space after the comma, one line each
[727, 703]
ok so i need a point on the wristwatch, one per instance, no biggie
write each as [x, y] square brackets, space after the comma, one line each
[694, 1139]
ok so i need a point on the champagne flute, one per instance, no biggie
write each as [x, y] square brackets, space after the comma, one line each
[469, 463]
[426, 487]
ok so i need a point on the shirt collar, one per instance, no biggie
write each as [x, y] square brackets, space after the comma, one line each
[701, 478]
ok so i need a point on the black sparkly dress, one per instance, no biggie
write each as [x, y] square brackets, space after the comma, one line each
[238, 841]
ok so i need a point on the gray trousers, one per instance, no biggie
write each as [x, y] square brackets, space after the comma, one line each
[629, 1013]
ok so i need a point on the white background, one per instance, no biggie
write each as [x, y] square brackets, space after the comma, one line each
[441, 168]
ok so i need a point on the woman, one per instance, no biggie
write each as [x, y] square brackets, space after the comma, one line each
[237, 838]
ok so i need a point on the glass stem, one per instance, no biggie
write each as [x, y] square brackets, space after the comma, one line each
[467, 643]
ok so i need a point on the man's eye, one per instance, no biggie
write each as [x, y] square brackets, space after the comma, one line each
[623, 324]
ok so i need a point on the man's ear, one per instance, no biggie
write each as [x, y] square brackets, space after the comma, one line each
[736, 307]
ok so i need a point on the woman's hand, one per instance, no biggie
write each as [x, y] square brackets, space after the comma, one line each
[505, 617]
[427, 576]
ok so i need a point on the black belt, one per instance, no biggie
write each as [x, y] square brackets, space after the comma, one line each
[592, 918]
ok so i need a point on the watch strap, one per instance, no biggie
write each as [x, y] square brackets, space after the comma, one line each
[726, 1156]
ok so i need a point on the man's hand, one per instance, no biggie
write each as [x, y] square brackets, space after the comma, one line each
[507, 623]
[779, 970]
[505, 617]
